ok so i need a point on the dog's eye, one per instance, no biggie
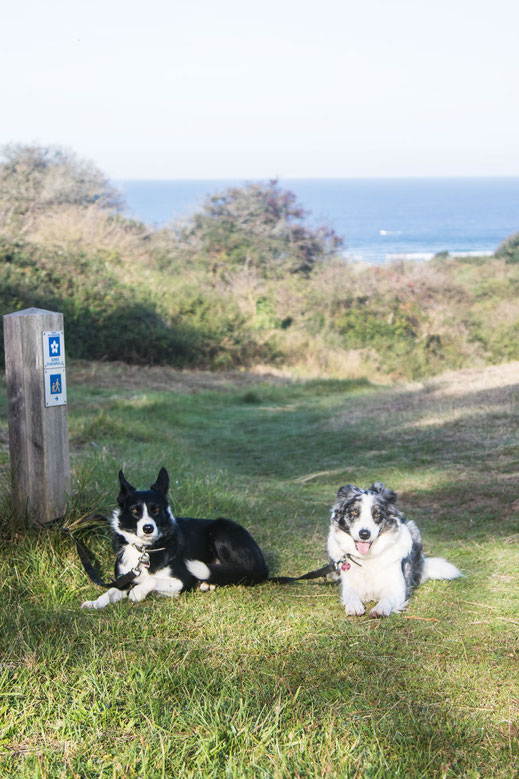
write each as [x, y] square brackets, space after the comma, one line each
[353, 513]
[154, 509]
[377, 514]
[135, 511]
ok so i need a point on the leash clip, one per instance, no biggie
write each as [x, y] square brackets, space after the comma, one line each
[143, 562]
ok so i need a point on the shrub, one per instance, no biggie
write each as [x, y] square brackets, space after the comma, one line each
[509, 249]
[260, 227]
[35, 178]
[71, 229]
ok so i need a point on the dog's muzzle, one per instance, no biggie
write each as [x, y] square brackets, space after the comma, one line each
[363, 545]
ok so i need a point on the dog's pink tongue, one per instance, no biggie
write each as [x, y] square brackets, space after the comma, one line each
[363, 546]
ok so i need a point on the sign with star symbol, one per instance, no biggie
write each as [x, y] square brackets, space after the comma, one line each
[53, 349]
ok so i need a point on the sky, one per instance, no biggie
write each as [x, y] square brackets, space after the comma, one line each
[214, 89]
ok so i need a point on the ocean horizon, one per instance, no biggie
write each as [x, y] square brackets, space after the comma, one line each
[380, 219]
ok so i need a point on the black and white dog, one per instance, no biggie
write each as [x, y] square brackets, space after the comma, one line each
[378, 552]
[171, 554]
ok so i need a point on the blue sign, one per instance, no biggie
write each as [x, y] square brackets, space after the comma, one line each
[54, 346]
[53, 349]
[56, 386]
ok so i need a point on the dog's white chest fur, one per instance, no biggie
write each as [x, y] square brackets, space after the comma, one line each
[374, 575]
[130, 559]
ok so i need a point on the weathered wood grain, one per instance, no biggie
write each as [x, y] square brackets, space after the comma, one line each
[38, 436]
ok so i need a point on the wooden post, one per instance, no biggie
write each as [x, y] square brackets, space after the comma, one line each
[37, 412]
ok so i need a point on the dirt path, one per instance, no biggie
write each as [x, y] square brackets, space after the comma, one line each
[455, 385]
[164, 378]
[452, 394]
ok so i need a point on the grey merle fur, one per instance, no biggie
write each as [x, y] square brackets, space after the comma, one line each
[388, 517]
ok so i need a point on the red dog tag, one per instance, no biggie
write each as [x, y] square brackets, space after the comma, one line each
[345, 566]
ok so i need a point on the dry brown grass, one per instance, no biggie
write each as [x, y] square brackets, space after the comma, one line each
[72, 228]
[161, 378]
[453, 395]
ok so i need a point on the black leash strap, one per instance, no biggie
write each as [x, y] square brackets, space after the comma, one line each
[319, 572]
[121, 583]
[324, 571]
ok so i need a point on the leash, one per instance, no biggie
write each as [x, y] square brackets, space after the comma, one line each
[332, 567]
[123, 582]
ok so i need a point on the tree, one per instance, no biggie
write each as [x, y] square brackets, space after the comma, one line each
[258, 226]
[35, 178]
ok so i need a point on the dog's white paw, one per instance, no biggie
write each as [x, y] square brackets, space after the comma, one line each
[354, 608]
[378, 612]
[99, 603]
[138, 593]
[89, 604]
[113, 595]
[205, 587]
[384, 609]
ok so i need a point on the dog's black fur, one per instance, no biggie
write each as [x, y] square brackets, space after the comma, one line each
[183, 551]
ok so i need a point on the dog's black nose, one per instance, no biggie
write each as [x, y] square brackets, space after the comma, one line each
[364, 534]
[148, 529]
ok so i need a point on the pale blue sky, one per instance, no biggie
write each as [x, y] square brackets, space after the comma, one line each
[289, 88]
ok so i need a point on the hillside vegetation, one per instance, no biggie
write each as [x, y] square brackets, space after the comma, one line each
[245, 282]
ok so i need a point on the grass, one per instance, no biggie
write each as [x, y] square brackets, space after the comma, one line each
[272, 681]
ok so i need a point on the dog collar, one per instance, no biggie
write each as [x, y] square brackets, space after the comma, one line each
[143, 549]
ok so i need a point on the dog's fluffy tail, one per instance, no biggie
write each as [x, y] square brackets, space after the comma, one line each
[438, 568]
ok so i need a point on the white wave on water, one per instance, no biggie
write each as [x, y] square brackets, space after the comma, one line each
[430, 255]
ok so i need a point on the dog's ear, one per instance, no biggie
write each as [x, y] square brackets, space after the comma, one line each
[383, 491]
[161, 483]
[126, 487]
[349, 491]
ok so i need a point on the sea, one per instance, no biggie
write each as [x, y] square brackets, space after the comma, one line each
[380, 220]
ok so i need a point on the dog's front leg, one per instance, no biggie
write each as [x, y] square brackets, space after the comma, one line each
[140, 591]
[351, 599]
[110, 596]
[391, 600]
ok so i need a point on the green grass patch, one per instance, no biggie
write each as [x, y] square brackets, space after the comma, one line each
[272, 681]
